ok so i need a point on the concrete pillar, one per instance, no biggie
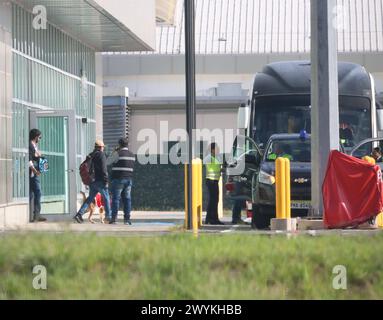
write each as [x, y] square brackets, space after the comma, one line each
[324, 94]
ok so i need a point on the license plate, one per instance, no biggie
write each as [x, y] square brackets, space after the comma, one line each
[300, 205]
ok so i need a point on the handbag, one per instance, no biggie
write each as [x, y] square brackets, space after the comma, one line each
[43, 165]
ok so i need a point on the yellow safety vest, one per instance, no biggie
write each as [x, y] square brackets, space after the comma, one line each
[213, 169]
[273, 156]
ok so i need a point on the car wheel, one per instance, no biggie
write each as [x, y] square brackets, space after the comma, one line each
[261, 219]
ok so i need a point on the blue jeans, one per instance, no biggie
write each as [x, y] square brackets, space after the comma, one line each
[35, 194]
[121, 188]
[237, 208]
[94, 188]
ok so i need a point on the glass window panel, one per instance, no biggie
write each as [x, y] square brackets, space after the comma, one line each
[41, 85]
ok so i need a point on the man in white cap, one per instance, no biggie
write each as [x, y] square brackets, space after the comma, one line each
[100, 183]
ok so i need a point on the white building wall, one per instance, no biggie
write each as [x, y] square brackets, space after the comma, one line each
[174, 85]
[164, 75]
[152, 120]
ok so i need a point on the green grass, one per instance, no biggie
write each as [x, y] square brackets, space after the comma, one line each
[182, 267]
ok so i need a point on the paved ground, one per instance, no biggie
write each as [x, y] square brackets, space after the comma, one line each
[145, 223]
[159, 223]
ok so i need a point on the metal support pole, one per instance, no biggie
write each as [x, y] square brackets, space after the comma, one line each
[324, 95]
[190, 96]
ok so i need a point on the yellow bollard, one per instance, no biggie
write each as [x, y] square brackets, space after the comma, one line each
[280, 186]
[199, 183]
[283, 219]
[194, 202]
[220, 199]
[186, 195]
[287, 188]
[379, 220]
[197, 195]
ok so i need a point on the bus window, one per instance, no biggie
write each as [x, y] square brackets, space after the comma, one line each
[354, 126]
[272, 120]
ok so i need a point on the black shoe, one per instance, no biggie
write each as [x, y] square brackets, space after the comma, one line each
[216, 223]
[39, 218]
[78, 218]
[112, 221]
[240, 221]
[128, 222]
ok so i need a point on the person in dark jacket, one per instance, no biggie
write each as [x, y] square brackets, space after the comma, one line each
[122, 161]
[34, 174]
[100, 184]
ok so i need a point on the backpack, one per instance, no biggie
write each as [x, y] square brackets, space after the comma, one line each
[87, 170]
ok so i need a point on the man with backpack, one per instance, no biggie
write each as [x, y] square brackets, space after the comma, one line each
[98, 181]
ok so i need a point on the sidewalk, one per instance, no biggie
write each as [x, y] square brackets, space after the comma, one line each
[143, 222]
[148, 223]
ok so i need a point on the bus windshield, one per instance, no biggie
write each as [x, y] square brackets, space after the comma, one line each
[354, 122]
[273, 120]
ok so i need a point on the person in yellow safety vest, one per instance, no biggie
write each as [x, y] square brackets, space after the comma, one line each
[213, 174]
[369, 159]
[279, 152]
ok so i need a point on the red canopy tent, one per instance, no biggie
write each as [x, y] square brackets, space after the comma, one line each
[352, 191]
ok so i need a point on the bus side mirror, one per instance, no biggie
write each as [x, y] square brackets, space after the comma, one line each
[243, 117]
[379, 118]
